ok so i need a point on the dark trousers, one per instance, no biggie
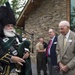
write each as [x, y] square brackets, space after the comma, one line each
[26, 68]
[41, 63]
[53, 70]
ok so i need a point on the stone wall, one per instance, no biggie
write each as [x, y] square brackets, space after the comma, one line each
[46, 16]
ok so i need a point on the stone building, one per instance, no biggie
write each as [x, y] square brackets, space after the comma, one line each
[40, 15]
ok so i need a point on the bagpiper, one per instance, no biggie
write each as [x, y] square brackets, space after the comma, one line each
[14, 53]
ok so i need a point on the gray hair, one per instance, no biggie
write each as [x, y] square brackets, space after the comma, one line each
[51, 29]
[64, 23]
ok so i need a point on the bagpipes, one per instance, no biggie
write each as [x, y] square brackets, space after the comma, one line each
[22, 48]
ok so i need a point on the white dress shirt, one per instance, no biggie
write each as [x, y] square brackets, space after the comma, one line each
[51, 45]
[67, 36]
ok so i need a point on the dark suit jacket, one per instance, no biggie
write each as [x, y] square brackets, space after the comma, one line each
[53, 55]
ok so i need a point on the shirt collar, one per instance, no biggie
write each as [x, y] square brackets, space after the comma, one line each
[67, 35]
[53, 38]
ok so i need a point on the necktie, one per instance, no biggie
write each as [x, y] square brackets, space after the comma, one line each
[64, 42]
[49, 46]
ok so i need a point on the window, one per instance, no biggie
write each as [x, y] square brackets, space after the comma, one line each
[72, 14]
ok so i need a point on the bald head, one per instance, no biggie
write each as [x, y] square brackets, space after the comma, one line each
[51, 30]
[51, 33]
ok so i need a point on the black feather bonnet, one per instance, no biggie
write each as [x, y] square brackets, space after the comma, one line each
[6, 17]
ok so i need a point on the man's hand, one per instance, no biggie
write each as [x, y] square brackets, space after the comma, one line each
[26, 55]
[17, 60]
[45, 50]
[63, 67]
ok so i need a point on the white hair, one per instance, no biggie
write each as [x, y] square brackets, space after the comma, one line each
[64, 23]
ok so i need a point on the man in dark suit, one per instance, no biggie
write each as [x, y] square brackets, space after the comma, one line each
[51, 53]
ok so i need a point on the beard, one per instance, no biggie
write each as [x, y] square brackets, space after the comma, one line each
[9, 33]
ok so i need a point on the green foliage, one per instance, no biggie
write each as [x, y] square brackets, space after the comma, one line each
[72, 19]
[17, 5]
[2, 2]
[19, 30]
